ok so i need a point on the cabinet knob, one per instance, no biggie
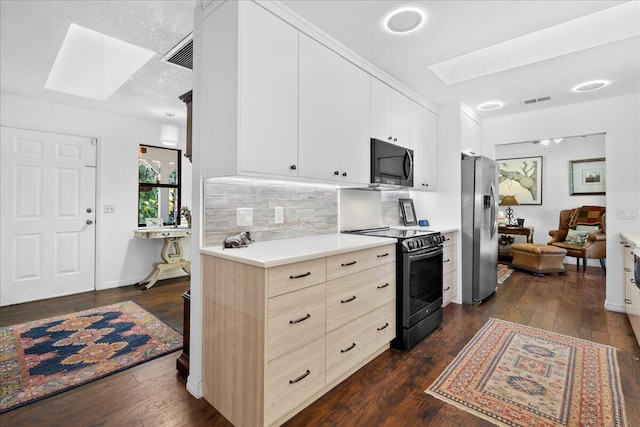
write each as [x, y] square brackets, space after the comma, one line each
[425, 185]
[390, 138]
[344, 174]
[395, 139]
[293, 167]
[89, 222]
[336, 172]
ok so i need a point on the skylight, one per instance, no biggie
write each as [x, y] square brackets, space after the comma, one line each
[93, 65]
[607, 26]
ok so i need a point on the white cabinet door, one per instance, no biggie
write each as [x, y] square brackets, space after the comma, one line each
[424, 145]
[268, 93]
[355, 147]
[334, 116]
[401, 119]
[381, 116]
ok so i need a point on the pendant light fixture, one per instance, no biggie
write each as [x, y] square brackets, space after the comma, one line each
[169, 132]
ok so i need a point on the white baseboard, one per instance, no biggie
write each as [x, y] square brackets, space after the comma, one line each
[131, 281]
[619, 308]
[194, 387]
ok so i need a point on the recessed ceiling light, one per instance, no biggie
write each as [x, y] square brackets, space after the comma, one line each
[589, 86]
[557, 140]
[93, 65]
[492, 105]
[405, 20]
[545, 142]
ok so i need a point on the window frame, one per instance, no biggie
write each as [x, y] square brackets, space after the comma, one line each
[177, 186]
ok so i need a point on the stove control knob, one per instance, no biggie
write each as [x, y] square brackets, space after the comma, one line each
[410, 245]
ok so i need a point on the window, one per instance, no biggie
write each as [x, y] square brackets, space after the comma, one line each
[158, 185]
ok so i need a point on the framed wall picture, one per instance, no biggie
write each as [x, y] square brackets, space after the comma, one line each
[522, 178]
[587, 177]
[408, 212]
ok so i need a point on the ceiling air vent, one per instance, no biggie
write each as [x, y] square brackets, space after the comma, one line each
[182, 54]
[536, 100]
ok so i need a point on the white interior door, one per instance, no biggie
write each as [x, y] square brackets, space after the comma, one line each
[47, 221]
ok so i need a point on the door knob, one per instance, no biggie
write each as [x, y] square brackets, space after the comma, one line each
[89, 222]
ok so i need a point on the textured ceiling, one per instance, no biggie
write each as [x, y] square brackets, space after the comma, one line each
[31, 33]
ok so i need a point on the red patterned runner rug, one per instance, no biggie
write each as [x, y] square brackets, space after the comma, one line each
[45, 357]
[516, 375]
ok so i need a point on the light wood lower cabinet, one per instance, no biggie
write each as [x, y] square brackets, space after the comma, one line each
[276, 339]
[449, 267]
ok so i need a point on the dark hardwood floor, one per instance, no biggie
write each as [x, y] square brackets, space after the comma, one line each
[389, 391]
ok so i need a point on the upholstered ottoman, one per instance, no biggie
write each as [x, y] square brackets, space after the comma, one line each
[538, 259]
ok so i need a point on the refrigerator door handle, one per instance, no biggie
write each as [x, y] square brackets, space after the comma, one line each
[494, 219]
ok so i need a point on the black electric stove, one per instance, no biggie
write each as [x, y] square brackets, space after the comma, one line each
[418, 282]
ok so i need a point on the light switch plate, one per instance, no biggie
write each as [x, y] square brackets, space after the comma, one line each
[244, 216]
[279, 215]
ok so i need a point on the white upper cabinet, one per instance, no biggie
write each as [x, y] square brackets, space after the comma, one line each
[424, 145]
[390, 114]
[333, 116]
[268, 93]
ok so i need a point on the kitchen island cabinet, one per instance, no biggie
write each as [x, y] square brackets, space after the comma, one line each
[286, 321]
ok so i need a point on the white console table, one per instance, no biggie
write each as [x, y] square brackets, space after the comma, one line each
[171, 260]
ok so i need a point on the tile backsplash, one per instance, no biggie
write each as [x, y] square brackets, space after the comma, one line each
[309, 209]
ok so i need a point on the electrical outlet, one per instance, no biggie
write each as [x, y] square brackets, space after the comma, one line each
[244, 216]
[279, 215]
[109, 208]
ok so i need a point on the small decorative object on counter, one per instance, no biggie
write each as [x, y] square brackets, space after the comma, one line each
[423, 223]
[186, 213]
[520, 222]
[237, 241]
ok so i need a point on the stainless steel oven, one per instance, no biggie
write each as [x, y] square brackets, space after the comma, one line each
[418, 283]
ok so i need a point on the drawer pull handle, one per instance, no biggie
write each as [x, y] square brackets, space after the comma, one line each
[627, 301]
[351, 347]
[292, 322]
[347, 300]
[383, 327]
[627, 269]
[383, 255]
[447, 288]
[308, 273]
[383, 286]
[349, 263]
[300, 378]
[446, 260]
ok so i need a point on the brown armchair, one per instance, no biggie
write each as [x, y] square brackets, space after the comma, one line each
[595, 247]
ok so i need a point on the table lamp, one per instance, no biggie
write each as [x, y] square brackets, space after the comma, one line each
[509, 201]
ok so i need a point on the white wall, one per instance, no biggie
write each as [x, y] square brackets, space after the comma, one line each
[120, 259]
[619, 118]
[555, 181]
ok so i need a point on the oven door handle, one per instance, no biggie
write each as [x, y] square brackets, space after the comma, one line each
[429, 253]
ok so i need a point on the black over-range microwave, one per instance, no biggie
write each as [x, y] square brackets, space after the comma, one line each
[391, 164]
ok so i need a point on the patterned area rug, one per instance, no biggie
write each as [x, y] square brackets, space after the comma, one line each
[515, 375]
[45, 357]
[503, 272]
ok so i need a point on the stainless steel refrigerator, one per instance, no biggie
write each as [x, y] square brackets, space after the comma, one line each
[479, 228]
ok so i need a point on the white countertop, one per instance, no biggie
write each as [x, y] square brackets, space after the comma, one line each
[634, 239]
[280, 252]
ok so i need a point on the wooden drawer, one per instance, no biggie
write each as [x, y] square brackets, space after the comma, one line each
[291, 277]
[293, 378]
[449, 259]
[448, 287]
[352, 296]
[449, 239]
[294, 319]
[353, 262]
[354, 342]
